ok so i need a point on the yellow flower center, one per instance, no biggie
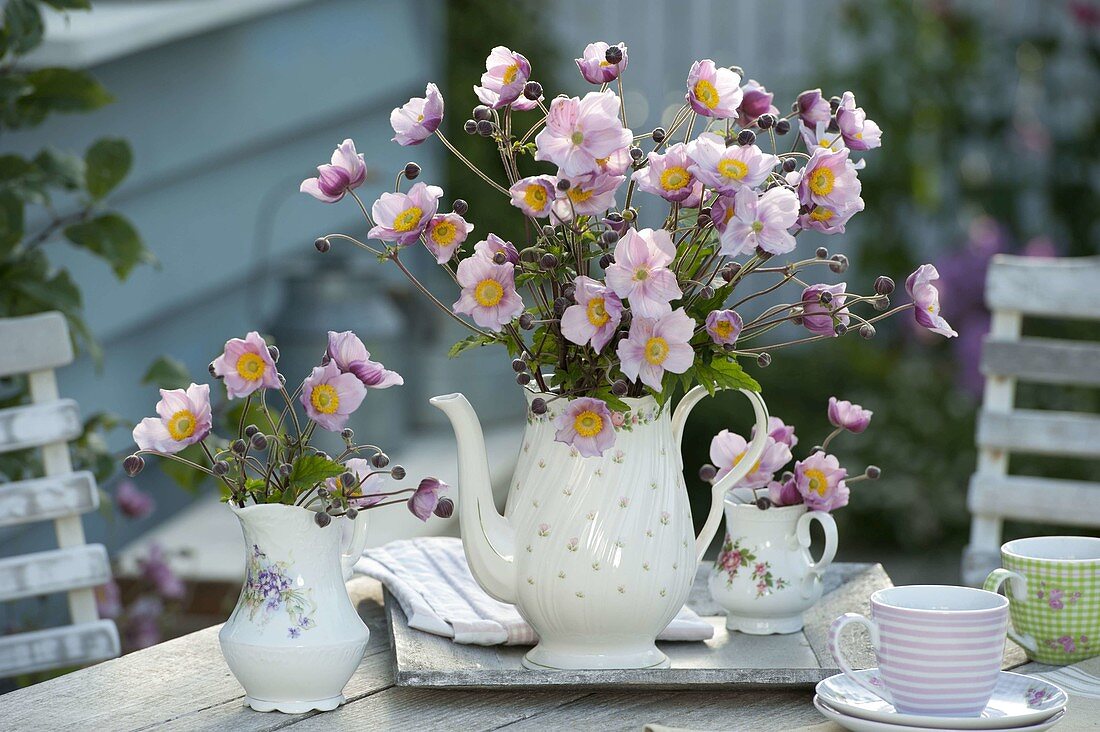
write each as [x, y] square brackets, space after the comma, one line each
[488, 293]
[821, 214]
[419, 118]
[579, 195]
[443, 233]
[605, 62]
[510, 73]
[324, 398]
[597, 314]
[723, 328]
[816, 481]
[535, 197]
[251, 367]
[706, 93]
[730, 211]
[821, 181]
[181, 425]
[577, 137]
[408, 219]
[734, 169]
[675, 178]
[656, 350]
[588, 423]
[757, 226]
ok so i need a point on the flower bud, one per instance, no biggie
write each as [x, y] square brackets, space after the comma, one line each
[210, 368]
[397, 472]
[445, 508]
[782, 127]
[737, 70]
[560, 304]
[883, 285]
[322, 519]
[523, 379]
[825, 297]
[274, 353]
[322, 244]
[636, 153]
[380, 460]
[821, 253]
[322, 491]
[765, 121]
[789, 165]
[470, 127]
[569, 292]
[526, 321]
[630, 214]
[482, 113]
[251, 430]
[730, 271]
[548, 261]
[460, 206]
[532, 90]
[834, 103]
[348, 479]
[347, 434]
[412, 170]
[873, 472]
[548, 231]
[880, 303]
[352, 513]
[220, 467]
[764, 360]
[707, 292]
[866, 331]
[500, 258]
[839, 263]
[519, 365]
[707, 473]
[613, 55]
[285, 470]
[658, 134]
[133, 465]
[763, 503]
[259, 441]
[606, 261]
[239, 447]
[321, 454]
[563, 184]
[746, 137]
[485, 128]
[619, 388]
[538, 405]
[840, 329]
[609, 238]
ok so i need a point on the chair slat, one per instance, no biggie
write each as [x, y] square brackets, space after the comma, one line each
[41, 499]
[71, 645]
[39, 424]
[34, 343]
[43, 573]
[1043, 360]
[1067, 434]
[1060, 288]
[1057, 501]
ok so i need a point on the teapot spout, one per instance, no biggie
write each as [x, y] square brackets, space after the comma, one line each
[487, 538]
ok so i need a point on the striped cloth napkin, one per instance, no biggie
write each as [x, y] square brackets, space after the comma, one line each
[432, 582]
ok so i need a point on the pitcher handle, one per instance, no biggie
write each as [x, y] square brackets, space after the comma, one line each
[356, 544]
[802, 534]
[838, 653]
[1018, 587]
[752, 454]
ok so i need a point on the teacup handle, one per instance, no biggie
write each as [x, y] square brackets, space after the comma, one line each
[834, 647]
[802, 534]
[1019, 590]
[356, 544]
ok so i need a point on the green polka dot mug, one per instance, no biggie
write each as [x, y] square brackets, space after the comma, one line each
[1054, 596]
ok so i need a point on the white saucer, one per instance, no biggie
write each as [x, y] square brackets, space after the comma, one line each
[857, 724]
[1017, 701]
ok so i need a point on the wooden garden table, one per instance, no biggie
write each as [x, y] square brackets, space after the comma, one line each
[185, 685]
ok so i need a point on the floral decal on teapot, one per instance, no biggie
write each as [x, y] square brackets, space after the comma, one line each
[268, 589]
[1069, 643]
[735, 556]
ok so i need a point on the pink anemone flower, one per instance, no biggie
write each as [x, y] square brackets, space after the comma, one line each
[403, 217]
[724, 326]
[368, 492]
[586, 425]
[330, 396]
[829, 180]
[493, 245]
[419, 118]
[594, 66]
[534, 195]
[851, 417]
[755, 101]
[425, 498]
[654, 346]
[728, 448]
[488, 292]
[183, 418]
[352, 357]
[347, 171]
[669, 176]
[594, 317]
[506, 73]
[760, 222]
[587, 195]
[859, 132]
[579, 132]
[445, 234]
[820, 480]
[713, 91]
[641, 274]
[820, 317]
[926, 300]
[246, 366]
[726, 169]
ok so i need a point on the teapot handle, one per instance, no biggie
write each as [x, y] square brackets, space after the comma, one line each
[802, 539]
[356, 543]
[752, 455]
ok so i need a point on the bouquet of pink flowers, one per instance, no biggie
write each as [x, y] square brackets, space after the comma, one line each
[276, 463]
[818, 480]
[594, 306]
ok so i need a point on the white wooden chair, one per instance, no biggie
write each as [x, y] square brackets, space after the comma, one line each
[1047, 288]
[35, 345]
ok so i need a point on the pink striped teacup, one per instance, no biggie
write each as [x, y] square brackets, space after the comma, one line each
[939, 647]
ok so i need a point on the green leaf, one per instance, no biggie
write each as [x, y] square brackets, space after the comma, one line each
[309, 470]
[730, 375]
[61, 90]
[167, 373]
[22, 25]
[113, 238]
[185, 476]
[11, 221]
[60, 169]
[474, 341]
[106, 163]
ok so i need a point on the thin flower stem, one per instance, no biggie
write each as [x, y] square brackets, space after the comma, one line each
[622, 99]
[356, 242]
[832, 435]
[424, 291]
[178, 459]
[887, 314]
[362, 207]
[468, 164]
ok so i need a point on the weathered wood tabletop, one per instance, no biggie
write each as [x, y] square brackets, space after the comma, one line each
[185, 685]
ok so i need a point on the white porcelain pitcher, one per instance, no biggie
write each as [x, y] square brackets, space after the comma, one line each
[597, 553]
[764, 576]
[294, 638]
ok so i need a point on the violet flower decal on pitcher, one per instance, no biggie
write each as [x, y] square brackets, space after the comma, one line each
[269, 589]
